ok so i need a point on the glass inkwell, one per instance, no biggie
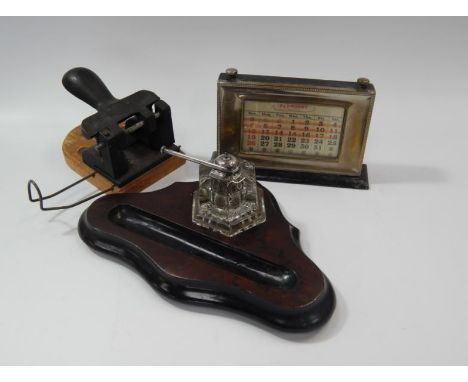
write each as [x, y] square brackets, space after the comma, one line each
[228, 200]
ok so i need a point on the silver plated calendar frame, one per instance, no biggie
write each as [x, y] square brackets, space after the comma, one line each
[356, 97]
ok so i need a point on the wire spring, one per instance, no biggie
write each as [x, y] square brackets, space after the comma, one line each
[41, 198]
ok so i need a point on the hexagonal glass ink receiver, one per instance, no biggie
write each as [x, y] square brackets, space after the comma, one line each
[228, 200]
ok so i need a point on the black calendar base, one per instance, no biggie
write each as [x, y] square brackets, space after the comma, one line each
[360, 182]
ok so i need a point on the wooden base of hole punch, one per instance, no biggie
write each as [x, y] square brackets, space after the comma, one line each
[75, 142]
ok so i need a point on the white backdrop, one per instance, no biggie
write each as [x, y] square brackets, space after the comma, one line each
[396, 254]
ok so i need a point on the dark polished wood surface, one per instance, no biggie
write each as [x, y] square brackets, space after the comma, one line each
[261, 272]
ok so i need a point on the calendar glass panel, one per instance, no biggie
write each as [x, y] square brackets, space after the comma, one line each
[291, 129]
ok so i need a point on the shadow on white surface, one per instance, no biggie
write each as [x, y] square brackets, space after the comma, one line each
[71, 228]
[382, 173]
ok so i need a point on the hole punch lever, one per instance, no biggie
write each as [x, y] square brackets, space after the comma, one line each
[41, 198]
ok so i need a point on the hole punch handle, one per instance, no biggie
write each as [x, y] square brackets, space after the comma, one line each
[84, 84]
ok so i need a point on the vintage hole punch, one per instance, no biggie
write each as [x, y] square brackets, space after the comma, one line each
[222, 241]
[118, 148]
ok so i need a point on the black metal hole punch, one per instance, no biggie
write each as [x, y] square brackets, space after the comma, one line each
[128, 134]
[41, 198]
